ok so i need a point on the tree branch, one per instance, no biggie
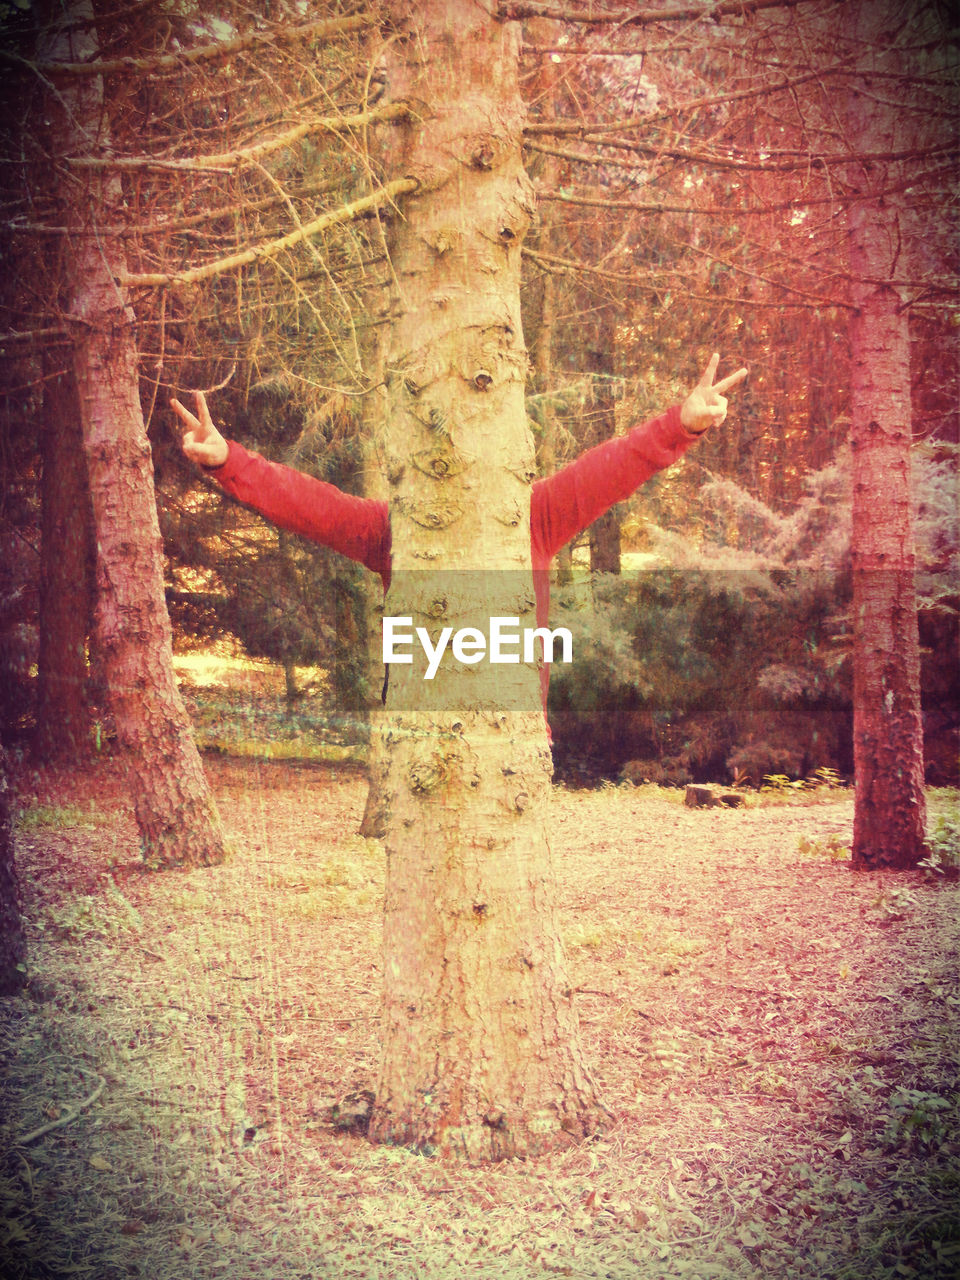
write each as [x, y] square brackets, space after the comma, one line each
[552, 263]
[200, 53]
[31, 335]
[584, 130]
[712, 159]
[270, 249]
[628, 18]
[64, 1120]
[168, 226]
[226, 161]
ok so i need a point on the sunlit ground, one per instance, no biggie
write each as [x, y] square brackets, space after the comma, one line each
[776, 1038]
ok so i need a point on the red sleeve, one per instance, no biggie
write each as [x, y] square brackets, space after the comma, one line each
[565, 503]
[356, 527]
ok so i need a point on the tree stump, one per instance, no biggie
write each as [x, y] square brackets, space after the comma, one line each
[732, 799]
[696, 797]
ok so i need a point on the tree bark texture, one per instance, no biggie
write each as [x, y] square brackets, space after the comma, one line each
[889, 814]
[175, 811]
[68, 557]
[480, 1050]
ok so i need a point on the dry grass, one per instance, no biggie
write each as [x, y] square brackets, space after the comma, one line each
[755, 1019]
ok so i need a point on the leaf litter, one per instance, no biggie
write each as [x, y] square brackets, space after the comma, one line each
[776, 1037]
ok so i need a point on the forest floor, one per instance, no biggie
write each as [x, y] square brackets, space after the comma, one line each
[776, 1036]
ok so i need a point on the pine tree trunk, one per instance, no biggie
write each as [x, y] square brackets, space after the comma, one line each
[175, 811]
[68, 556]
[889, 809]
[480, 1047]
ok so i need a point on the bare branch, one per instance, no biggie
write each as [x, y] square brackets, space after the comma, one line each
[165, 226]
[226, 161]
[717, 160]
[202, 52]
[260, 252]
[69, 1118]
[552, 263]
[628, 18]
[31, 335]
[584, 130]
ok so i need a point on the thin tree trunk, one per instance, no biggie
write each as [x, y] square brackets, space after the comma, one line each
[604, 532]
[889, 811]
[68, 558]
[13, 943]
[175, 811]
[480, 1046]
[546, 31]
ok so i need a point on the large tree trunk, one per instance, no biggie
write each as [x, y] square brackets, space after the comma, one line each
[68, 556]
[175, 810]
[889, 809]
[480, 1047]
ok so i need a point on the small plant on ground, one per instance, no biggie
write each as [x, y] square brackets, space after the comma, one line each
[825, 777]
[780, 783]
[943, 841]
[831, 848]
[916, 1117]
[894, 903]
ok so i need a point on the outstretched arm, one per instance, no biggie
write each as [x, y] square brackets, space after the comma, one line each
[356, 527]
[565, 503]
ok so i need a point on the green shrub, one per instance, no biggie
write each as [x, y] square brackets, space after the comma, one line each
[943, 841]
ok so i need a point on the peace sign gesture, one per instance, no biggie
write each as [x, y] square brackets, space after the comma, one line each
[706, 405]
[202, 442]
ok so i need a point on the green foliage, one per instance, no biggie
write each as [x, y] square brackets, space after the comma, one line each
[831, 848]
[943, 841]
[916, 1117]
[827, 778]
[894, 904]
[781, 782]
[674, 664]
[731, 659]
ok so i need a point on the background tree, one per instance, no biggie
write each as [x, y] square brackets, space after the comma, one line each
[765, 125]
[890, 812]
[175, 811]
[13, 943]
[166, 224]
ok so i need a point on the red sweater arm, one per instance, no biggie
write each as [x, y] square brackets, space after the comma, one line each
[356, 527]
[575, 496]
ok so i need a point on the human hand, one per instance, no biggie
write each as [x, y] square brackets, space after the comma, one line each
[706, 405]
[201, 442]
